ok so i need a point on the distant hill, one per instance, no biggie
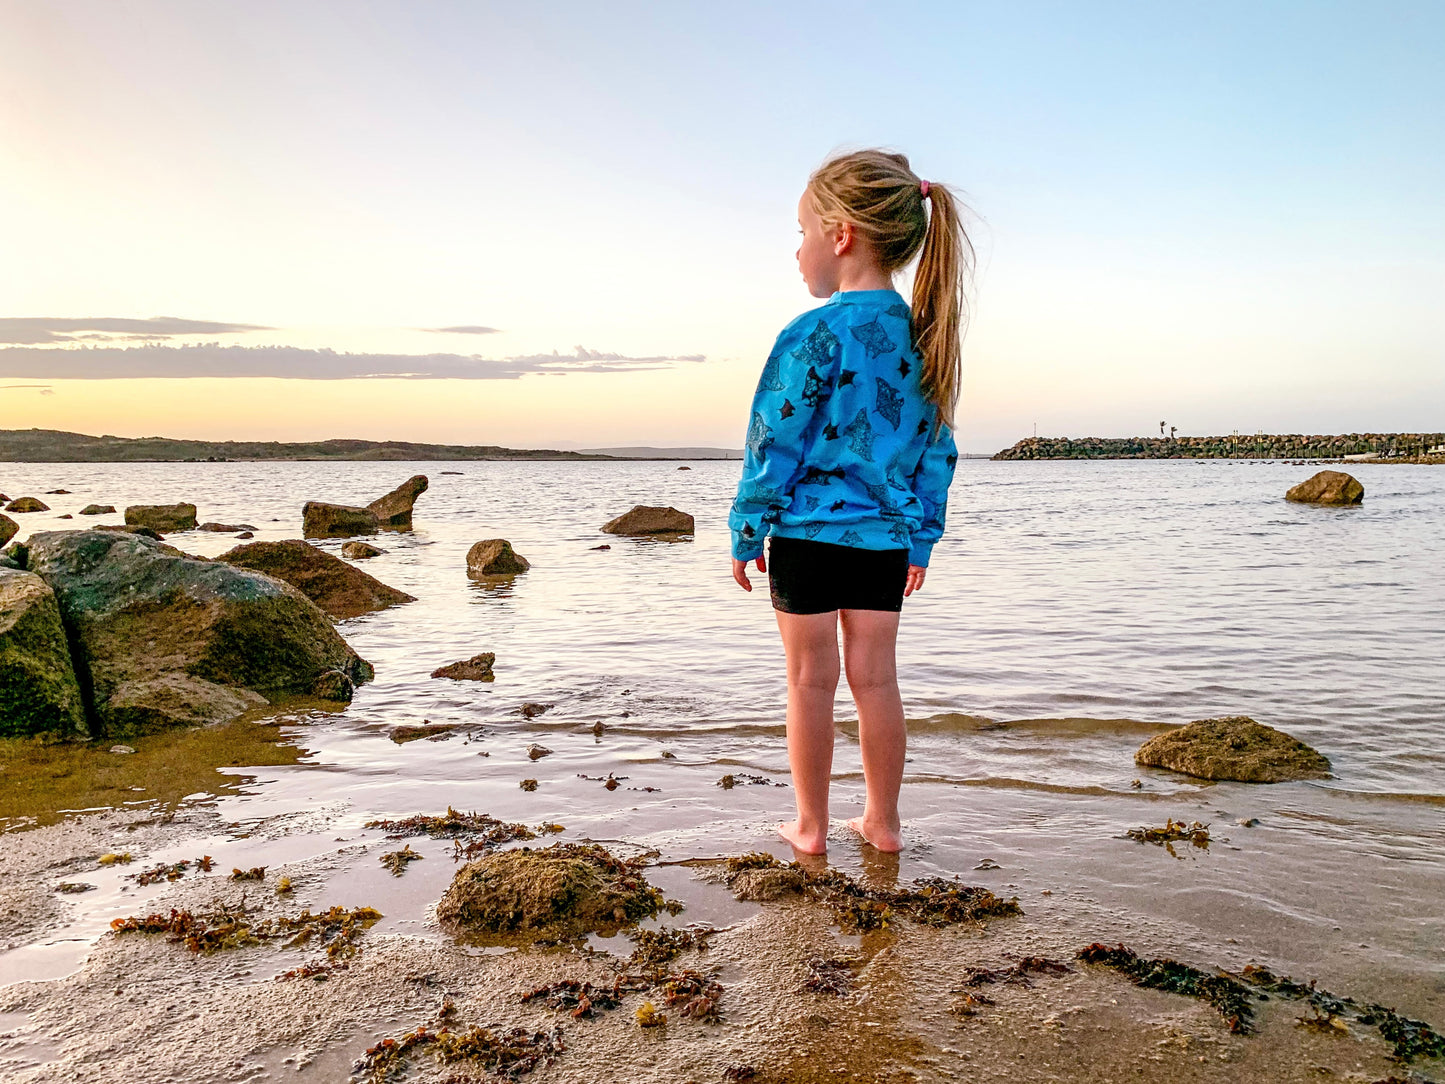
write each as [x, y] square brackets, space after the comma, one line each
[667, 453]
[53, 446]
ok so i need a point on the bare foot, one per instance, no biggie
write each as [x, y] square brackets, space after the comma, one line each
[885, 839]
[807, 842]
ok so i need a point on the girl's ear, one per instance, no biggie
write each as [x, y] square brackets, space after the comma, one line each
[842, 238]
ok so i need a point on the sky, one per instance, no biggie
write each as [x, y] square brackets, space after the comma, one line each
[573, 224]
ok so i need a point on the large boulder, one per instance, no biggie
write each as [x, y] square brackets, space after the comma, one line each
[1328, 487]
[393, 511]
[8, 527]
[27, 504]
[162, 517]
[1233, 747]
[162, 639]
[648, 519]
[38, 689]
[322, 520]
[495, 557]
[561, 891]
[342, 590]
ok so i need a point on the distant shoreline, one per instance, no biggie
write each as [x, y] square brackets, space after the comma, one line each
[56, 446]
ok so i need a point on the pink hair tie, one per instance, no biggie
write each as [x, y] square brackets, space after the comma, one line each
[923, 187]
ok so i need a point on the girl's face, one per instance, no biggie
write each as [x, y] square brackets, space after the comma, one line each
[820, 252]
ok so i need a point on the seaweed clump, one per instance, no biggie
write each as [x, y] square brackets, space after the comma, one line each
[172, 871]
[1410, 1038]
[693, 994]
[582, 999]
[509, 1054]
[396, 861]
[481, 828]
[1017, 975]
[337, 929]
[1173, 832]
[657, 948]
[833, 977]
[1228, 997]
[932, 901]
[561, 891]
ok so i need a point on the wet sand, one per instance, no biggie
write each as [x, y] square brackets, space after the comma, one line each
[142, 1009]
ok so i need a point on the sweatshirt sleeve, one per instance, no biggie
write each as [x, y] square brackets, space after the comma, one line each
[796, 382]
[930, 484]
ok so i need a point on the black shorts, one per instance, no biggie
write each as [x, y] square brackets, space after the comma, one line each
[806, 577]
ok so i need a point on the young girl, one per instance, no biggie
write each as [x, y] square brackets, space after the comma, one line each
[849, 458]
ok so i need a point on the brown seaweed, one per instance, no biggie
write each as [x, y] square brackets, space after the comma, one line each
[583, 1000]
[740, 779]
[486, 829]
[693, 994]
[657, 948]
[510, 1054]
[932, 901]
[1197, 834]
[396, 861]
[255, 873]
[833, 977]
[336, 929]
[1228, 997]
[1409, 1038]
[1017, 975]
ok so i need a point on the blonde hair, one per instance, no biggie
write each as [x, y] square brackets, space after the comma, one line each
[882, 198]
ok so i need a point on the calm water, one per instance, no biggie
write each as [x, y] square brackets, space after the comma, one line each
[1071, 609]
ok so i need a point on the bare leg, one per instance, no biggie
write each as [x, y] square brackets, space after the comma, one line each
[811, 644]
[870, 640]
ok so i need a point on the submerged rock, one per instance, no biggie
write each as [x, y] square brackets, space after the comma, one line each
[322, 520]
[98, 510]
[393, 511]
[162, 639]
[8, 527]
[359, 551]
[1233, 747]
[27, 504]
[648, 519]
[225, 528]
[561, 891]
[477, 668]
[162, 517]
[342, 590]
[39, 692]
[495, 557]
[1328, 487]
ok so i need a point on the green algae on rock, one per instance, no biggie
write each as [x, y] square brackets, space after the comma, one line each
[453, 825]
[561, 891]
[162, 639]
[1233, 747]
[39, 692]
[341, 590]
[337, 929]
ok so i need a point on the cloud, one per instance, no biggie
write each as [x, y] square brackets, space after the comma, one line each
[32, 330]
[297, 363]
[464, 329]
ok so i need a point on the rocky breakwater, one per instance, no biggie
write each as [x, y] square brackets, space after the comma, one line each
[160, 639]
[1233, 446]
[38, 688]
[340, 589]
[391, 512]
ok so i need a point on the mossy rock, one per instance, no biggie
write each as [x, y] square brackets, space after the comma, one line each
[1234, 747]
[561, 891]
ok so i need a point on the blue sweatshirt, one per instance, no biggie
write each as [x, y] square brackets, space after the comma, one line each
[841, 445]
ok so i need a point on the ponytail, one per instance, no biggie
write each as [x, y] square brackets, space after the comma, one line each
[940, 308]
[881, 196]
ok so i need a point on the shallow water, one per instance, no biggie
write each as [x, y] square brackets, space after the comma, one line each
[1072, 609]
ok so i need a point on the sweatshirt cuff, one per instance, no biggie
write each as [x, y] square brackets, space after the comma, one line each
[919, 552]
[745, 549]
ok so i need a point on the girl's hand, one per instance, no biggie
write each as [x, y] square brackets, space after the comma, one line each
[915, 579]
[740, 572]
